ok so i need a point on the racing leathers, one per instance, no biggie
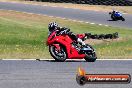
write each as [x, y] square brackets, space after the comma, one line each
[65, 30]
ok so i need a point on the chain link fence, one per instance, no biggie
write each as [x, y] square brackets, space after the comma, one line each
[93, 2]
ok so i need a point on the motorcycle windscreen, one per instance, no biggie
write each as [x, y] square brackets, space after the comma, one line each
[86, 49]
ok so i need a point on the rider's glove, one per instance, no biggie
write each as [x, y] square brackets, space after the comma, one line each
[65, 30]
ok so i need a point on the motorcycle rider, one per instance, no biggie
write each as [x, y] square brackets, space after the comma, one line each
[115, 12]
[53, 26]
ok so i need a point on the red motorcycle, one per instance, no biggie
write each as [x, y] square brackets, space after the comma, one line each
[62, 47]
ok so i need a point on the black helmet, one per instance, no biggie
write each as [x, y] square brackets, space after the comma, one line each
[114, 11]
[52, 26]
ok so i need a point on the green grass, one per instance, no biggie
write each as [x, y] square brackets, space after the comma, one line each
[122, 49]
[24, 36]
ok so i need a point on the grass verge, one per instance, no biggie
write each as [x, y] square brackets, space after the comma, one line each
[24, 35]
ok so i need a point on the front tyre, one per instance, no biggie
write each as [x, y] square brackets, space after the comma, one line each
[113, 18]
[123, 19]
[59, 56]
[90, 56]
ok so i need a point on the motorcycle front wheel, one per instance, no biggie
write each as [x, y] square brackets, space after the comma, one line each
[113, 18]
[123, 19]
[59, 56]
[90, 56]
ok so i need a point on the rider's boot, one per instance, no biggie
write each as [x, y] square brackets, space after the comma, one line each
[83, 45]
[75, 44]
[81, 42]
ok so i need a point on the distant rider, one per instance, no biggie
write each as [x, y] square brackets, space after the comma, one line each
[53, 26]
[114, 13]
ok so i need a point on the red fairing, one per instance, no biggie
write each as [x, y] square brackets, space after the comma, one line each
[66, 41]
[81, 36]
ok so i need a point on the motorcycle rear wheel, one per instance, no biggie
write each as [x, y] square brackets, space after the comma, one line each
[56, 56]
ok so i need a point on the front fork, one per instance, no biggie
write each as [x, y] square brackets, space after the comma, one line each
[57, 46]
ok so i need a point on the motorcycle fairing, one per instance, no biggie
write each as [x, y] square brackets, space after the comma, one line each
[118, 14]
[66, 41]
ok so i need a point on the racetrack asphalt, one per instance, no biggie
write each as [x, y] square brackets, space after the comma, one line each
[50, 74]
[75, 14]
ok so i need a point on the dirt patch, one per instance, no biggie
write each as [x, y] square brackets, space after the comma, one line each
[97, 41]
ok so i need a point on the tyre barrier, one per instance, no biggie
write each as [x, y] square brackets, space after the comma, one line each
[93, 2]
[101, 36]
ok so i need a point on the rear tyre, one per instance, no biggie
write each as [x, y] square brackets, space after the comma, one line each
[58, 56]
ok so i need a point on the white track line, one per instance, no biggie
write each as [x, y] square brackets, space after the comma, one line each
[72, 59]
[124, 13]
[114, 59]
[55, 17]
[106, 25]
[81, 21]
[92, 23]
[87, 22]
[100, 24]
